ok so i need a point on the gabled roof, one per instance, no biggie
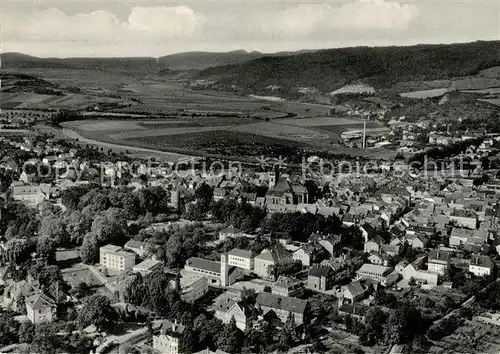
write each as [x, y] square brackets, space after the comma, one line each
[135, 244]
[39, 301]
[286, 282]
[438, 255]
[481, 261]
[240, 253]
[356, 289]
[274, 254]
[205, 264]
[289, 304]
[170, 328]
[319, 271]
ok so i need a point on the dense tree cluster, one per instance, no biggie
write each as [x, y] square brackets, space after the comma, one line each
[241, 215]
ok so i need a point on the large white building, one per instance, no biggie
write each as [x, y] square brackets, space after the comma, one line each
[240, 258]
[115, 258]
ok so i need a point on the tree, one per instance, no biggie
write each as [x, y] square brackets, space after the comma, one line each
[204, 195]
[26, 332]
[374, 325]
[8, 328]
[45, 339]
[109, 225]
[89, 252]
[231, 338]
[53, 228]
[97, 310]
[46, 248]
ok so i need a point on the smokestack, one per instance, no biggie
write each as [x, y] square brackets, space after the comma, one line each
[364, 133]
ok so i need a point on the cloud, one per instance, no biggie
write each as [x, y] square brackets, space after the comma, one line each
[364, 15]
[152, 23]
[145, 28]
[164, 21]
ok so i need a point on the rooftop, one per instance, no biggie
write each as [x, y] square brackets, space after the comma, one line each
[290, 304]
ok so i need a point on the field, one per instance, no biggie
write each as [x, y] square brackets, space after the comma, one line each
[221, 136]
[493, 101]
[425, 93]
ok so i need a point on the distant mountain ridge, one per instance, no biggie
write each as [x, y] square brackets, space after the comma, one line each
[380, 67]
[178, 61]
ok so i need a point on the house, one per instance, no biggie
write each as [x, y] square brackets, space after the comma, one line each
[264, 262]
[14, 292]
[414, 271]
[438, 261]
[148, 266]
[241, 259]
[308, 254]
[229, 232]
[353, 292]
[330, 242]
[138, 247]
[379, 259]
[287, 286]
[227, 308]
[167, 341]
[481, 266]
[459, 236]
[218, 274]
[30, 195]
[283, 306]
[373, 245]
[115, 258]
[320, 278]
[193, 286]
[416, 240]
[464, 218]
[40, 309]
[355, 311]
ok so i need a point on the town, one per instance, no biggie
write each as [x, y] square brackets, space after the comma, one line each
[103, 254]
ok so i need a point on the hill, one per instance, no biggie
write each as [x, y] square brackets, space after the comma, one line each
[174, 62]
[381, 67]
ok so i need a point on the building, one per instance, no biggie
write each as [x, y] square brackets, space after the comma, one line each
[320, 278]
[193, 287]
[40, 309]
[283, 306]
[384, 275]
[438, 261]
[30, 195]
[309, 254]
[481, 266]
[287, 286]
[218, 274]
[284, 192]
[148, 266]
[264, 262]
[167, 341]
[229, 232]
[227, 308]
[373, 271]
[353, 292]
[464, 218]
[115, 258]
[241, 259]
[138, 247]
[414, 272]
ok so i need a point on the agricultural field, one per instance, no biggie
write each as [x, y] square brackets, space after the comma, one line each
[425, 93]
[493, 101]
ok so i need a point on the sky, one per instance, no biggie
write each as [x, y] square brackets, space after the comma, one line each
[104, 28]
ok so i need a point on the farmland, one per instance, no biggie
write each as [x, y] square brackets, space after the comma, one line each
[221, 136]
